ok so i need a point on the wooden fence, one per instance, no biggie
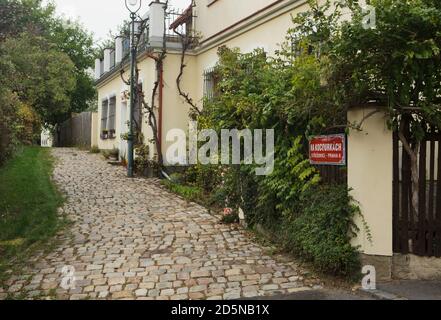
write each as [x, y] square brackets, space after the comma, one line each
[75, 132]
[417, 233]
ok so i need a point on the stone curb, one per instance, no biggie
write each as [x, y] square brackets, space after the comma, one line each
[381, 295]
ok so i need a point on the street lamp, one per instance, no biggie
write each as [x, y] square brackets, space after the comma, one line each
[133, 6]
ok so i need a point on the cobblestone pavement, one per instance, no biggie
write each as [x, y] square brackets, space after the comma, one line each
[131, 239]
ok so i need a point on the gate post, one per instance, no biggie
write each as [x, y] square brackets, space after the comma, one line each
[370, 176]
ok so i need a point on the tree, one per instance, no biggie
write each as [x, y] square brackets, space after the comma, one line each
[9, 124]
[72, 39]
[397, 63]
[44, 62]
[24, 15]
[39, 75]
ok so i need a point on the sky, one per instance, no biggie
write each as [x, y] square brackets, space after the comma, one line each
[101, 16]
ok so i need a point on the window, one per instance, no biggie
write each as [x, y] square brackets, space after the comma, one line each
[108, 118]
[112, 117]
[211, 82]
[104, 114]
[299, 46]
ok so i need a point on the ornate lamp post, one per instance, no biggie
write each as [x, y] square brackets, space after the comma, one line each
[133, 6]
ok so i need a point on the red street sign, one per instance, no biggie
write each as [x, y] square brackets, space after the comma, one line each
[328, 150]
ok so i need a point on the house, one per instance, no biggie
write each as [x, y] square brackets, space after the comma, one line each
[243, 24]
[248, 25]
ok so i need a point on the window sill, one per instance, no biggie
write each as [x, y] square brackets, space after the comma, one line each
[108, 136]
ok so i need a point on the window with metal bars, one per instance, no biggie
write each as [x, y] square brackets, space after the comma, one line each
[211, 81]
[299, 46]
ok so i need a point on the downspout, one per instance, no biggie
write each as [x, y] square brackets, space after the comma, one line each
[161, 101]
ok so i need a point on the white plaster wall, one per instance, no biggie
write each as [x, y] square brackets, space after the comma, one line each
[175, 111]
[370, 175]
[224, 13]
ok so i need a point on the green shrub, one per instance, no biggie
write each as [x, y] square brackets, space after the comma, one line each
[177, 178]
[322, 232]
[190, 193]
[311, 220]
[205, 177]
[230, 219]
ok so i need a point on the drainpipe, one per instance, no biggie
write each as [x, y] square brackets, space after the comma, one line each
[161, 99]
[165, 175]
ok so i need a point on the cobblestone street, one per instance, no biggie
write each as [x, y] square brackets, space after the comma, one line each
[131, 239]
